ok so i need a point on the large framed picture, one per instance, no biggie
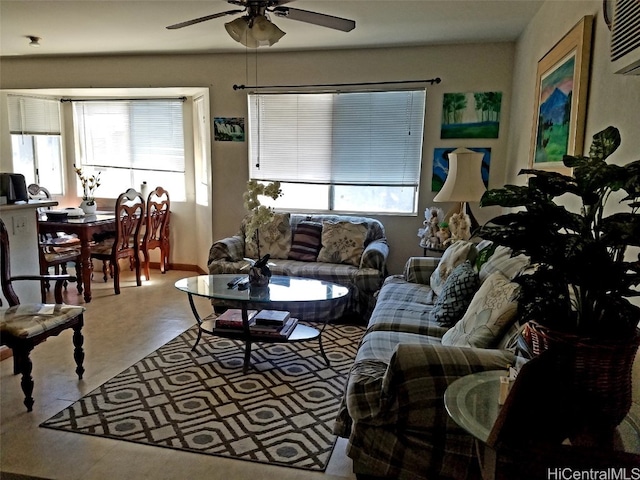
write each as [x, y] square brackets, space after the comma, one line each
[561, 99]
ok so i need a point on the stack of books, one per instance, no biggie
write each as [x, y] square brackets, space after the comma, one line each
[231, 320]
[273, 323]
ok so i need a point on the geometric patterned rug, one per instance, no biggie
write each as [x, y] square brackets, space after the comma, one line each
[280, 412]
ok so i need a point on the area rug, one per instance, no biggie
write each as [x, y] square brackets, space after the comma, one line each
[280, 412]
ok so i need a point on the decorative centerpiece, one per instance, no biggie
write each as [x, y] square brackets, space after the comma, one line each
[89, 186]
[259, 215]
[576, 299]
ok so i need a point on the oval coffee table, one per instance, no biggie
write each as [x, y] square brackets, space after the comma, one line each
[280, 289]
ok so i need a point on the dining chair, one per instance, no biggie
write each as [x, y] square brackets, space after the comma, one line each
[54, 250]
[156, 234]
[23, 326]
[129, 213]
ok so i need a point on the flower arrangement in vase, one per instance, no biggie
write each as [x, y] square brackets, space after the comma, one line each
[89, 186]
[259, 215]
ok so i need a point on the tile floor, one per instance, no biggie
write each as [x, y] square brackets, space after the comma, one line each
[119, 331]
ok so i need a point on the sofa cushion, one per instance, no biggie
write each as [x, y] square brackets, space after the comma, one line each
[342, 242]
[275, 238]
[502, 261]
[490, 314]
[306, 242]
[457, 293]
[453, 256]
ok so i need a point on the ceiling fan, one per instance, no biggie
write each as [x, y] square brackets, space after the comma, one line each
[255, 29]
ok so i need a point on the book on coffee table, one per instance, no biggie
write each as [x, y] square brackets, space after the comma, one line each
[273, 331]
[272, 317]
[232, 319]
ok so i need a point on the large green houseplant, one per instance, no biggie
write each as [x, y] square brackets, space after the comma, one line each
[582, 280]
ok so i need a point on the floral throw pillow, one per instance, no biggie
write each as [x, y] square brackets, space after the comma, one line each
[489, 316]
[342, 242]
[307, 241]
[275, 238]
[457, 253]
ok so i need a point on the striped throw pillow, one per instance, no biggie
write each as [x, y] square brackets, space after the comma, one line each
[306, 242]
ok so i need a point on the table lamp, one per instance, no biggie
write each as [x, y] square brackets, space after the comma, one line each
[464, 182]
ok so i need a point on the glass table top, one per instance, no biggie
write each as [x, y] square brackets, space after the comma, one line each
[280, 289]
[472, 402]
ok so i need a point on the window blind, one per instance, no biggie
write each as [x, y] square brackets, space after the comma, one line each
[356, 138]
[33, 115]
[138, 134]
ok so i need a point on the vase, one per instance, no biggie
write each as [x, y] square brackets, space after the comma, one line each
[89, 207]
[599, 369]
[259, 276]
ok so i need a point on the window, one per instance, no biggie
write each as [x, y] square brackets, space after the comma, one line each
[131, 141]
[34, 124]
[355, 152]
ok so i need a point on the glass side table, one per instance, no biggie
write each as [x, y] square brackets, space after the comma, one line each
[472, 402]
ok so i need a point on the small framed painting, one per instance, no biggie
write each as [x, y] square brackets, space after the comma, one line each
[561, 100]
[228, 129]
[471, 115]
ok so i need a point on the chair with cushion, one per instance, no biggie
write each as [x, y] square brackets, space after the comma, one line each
[55, 250]
[23, 326]
[156, 234]
[129, 212]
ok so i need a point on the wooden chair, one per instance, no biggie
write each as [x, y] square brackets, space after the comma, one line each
[55, 250]
[129, 212]
[23, 326]
[156, 234]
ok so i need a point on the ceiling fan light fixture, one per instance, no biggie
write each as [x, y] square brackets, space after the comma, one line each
[254, 33]
[238, 28]
[265, 32]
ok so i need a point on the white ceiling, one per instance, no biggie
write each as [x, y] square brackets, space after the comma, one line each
[105, 27]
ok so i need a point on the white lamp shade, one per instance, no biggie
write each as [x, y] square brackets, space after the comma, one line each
[261, 33]
[464, 180]
[237, 29]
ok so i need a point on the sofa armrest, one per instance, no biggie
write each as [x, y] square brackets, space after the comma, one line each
[375, 256]
[419, 269]
[230, 249]
[418, 375]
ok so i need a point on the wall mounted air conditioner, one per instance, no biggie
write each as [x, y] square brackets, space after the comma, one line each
[625, 37]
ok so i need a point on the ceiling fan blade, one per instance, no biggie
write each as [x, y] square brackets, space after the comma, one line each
[315, 18]
[203, 19]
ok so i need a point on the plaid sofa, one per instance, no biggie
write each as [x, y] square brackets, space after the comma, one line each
[226, 256]
[393, 412]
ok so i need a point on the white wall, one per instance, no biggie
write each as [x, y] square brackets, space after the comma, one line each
[613, 99]
[462, 68]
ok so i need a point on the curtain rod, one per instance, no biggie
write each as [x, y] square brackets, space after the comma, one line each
[431, 81]
[70, 100]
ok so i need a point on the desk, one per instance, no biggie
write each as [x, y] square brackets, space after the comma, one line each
[472, 402]
[84, 228]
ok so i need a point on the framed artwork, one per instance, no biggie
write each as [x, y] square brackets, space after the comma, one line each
[561, 99]
[441, 165]
[228, 129]
[471, 115]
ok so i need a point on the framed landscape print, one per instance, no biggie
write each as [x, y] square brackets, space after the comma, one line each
[471, 115]
[561, 99]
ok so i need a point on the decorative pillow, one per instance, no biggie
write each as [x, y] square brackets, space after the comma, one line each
[275, 238]
[306, 242]
[502, 261]
[342, 242]
[489, 316]
[456, 296]
[453, 256]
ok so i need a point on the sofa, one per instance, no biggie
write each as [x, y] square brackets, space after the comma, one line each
[348, 250]
[444, 318]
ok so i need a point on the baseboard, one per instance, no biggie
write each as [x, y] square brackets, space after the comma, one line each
[180, 266]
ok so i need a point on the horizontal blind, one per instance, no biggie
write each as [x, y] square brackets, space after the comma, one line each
[138, 134]
[360, 138]
[33, 115]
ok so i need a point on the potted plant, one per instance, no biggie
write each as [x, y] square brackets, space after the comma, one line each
[89, 186]
[577, 295]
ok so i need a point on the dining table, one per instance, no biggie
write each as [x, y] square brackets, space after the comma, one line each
[84, 227]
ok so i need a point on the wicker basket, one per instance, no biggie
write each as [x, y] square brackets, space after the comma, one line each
[601, 370]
